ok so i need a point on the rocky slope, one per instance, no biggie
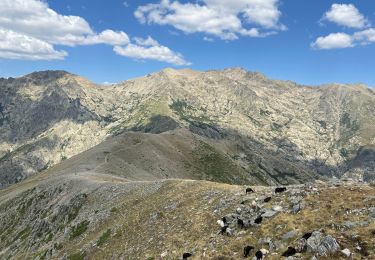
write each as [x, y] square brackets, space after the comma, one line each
[100, 216]
[271, 131]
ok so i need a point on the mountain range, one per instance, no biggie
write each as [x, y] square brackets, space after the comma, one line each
[230, 126]
[150, 168]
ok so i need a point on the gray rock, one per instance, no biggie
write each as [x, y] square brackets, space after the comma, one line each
[314, 241]
[353, 224]
[322, 245]
[268, 213]
[371, 213]
[297, 207]
[328, 245]
[346, 252]
[269, 243]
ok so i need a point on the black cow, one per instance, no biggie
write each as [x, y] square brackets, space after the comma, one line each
[259, 255]
[186, 255]
[247, 250]
[268, 199]
[289, 252]
[307, 235]
[258, 220]
[240, 223]
[280, 190]
[249, 190]
[224, 219]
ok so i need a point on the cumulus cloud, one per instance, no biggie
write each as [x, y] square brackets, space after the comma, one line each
[150, 49]
[346, 15]
[344, 40]
[349, 16]
[223, 19]
[333, 41]
[146, 42]
[365, 37]
[29, 29]
[14, 45]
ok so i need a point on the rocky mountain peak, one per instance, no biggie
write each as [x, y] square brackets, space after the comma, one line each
[47, 75]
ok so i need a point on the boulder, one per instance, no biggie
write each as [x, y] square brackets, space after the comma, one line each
[322, 245]
[268, 213]
[346, 252]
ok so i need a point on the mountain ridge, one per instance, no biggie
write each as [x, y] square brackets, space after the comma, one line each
[290, 120]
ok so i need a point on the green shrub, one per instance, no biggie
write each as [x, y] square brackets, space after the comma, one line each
[79, 229]
[104, 237]
[77, 256]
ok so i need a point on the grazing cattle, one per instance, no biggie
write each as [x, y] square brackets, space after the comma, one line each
[307, 235]
[249, 190]
[224, 230]
[279, 190]
[240, 223]
[224, 219]
[289, 252]
[259, 255]
[247, 250]
[186, 255]
[268, 199]
[221, 223]
[258, 220]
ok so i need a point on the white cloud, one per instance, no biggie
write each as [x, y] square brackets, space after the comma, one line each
[346, 15]
[19, 46]
[108, 37]
[146, 42]
[365, 37]
[29, 29]
[333, 41]
[349, 16]
[223, 19]
[149, 49]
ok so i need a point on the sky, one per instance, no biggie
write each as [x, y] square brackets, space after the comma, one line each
[309, 42]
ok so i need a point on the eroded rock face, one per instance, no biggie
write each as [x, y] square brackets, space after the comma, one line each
[277, 131]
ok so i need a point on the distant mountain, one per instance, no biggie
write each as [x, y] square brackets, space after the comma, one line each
[229, 126]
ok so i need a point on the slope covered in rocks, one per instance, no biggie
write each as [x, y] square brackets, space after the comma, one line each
[99, 216]
[271, 131]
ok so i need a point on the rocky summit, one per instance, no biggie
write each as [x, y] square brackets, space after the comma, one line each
[183, 164]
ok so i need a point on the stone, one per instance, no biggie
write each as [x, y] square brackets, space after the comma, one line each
[371, 213]
[346, 252]
[322, 245]
[277, 208]
[297, 208]
[268, 241]
[269, 213]
[353, 224]
[328, 245]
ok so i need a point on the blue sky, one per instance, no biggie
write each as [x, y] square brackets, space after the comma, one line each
[277, 38]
